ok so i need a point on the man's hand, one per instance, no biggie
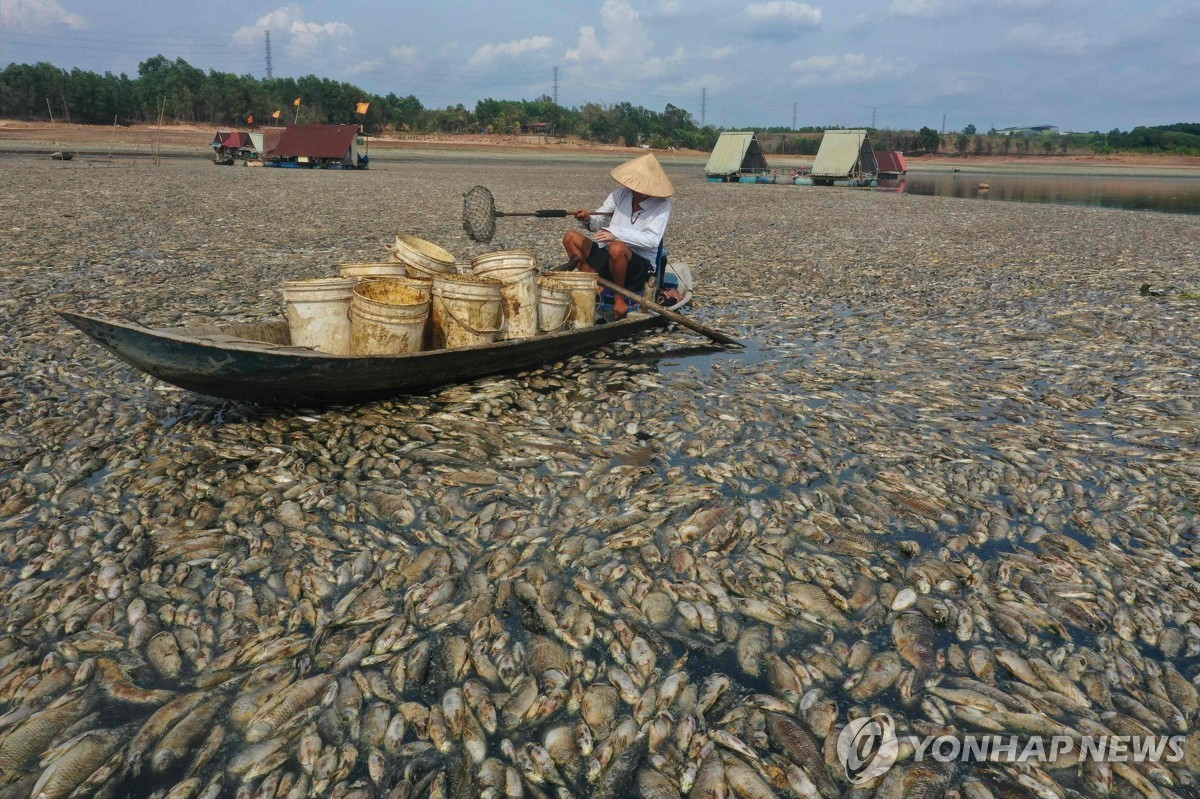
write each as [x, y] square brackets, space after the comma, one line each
[582, 215]
[604, 234]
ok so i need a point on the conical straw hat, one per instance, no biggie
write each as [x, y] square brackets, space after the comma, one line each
[645, 176]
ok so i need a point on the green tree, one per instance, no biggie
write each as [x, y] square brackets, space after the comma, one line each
[929, 139]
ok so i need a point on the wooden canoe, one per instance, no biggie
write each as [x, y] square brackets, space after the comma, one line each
[256, 362]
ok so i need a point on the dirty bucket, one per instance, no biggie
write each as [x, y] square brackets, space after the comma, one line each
[366, 271]
[317, 313]
[583, 296]
[554, 305]
[388, 316]
[466, 310]
[424, 259]
[517, 272]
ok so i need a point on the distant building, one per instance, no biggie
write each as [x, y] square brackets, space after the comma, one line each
[322, 146]
[231, 144]
[846, 157]
[891, 163]
[1030, 130]
[736, 153]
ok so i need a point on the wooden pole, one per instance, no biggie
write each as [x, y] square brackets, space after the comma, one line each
[704, 330]
[158, 129]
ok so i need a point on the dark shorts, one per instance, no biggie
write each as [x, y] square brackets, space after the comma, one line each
[636, 274]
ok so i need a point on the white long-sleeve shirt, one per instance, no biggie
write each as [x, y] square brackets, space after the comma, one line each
[642, 231]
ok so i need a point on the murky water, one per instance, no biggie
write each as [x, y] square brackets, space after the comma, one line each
[1176, 195]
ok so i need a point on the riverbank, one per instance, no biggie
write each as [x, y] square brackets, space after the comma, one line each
[137, 140]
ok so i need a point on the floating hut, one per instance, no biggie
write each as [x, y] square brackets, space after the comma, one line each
[320, 147]
[736, 156]
[845, 159]
[228, 145]
[891, 163]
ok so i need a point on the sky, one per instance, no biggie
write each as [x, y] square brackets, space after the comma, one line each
[1081, 65]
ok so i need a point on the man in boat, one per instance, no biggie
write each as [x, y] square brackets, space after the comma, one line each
[627, 228]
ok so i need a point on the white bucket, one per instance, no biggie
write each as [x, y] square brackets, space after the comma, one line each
[366, 271]
[318, 313]
[583, 296]
[554, 305]
[388, 316]
[424, 259]
[517, 272]
[466, 310]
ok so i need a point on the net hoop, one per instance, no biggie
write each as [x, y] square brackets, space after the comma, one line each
[479, 214]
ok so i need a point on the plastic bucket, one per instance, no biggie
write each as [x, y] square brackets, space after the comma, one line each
[554, 305]
[466, 310]
[421, 256]
[318, 313]
[372, 270]
[388, 316]
[517, 272]
[583, 296]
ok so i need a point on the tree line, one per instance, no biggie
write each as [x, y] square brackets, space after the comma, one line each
[175, 91]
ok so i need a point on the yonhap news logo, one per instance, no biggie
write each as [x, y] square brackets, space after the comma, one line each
[868, 747]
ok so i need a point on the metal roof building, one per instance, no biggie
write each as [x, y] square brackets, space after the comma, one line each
[844, 154]
[891, 162]
[328, 145]
[736, 152]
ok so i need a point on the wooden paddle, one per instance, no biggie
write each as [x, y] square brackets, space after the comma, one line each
[704, 330]
[666, 313]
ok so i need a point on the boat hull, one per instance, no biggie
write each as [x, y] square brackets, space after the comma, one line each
[267, 370]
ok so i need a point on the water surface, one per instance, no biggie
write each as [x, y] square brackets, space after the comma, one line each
[1176, 195]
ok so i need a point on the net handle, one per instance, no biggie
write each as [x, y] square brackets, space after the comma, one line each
[479, 202]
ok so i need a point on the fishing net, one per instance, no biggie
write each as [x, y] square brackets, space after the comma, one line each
[479, 214]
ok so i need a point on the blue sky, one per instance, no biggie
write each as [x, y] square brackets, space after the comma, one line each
[1078, 64]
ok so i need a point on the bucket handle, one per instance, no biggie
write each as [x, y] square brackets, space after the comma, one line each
[461, 323]
[560, 325]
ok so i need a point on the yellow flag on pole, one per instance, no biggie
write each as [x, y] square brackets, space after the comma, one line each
[250, 119]
[362, 108]
[296, 101]
[276, 113]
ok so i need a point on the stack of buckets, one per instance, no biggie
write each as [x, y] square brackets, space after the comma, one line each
[422, 299]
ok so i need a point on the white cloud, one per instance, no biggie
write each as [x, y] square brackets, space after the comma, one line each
[366, 67]
[403, 54]
[1039, 38]
[690, 91]
[929, 9]
[300, 38]
[924, 8]
[834, 70]
[721, 53]
[30, 14]
[786, 13]
[627, 41]
[660, 66]
[488, 53]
